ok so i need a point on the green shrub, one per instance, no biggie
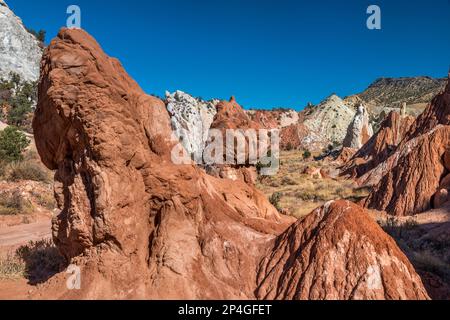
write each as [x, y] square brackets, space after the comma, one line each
[39, 35]
[306, 154]
[20, 108]
[12, 144]
[27, 171]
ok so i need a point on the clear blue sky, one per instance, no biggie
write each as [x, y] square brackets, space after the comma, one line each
[268, 53]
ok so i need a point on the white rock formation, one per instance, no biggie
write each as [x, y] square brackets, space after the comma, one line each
[330, 119]
[360, 130]
[19, 50]
[288, 118]
[191, 120]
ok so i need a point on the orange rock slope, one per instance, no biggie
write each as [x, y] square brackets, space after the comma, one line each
[392, 131]
[337, 253]
[412, 177]
[139, 226]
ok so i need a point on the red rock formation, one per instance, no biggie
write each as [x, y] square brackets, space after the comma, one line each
[230, 115]
[337, 252]
[392, 131]
[412, 175]
[345, 155]
[140, 226]
[266, 119]
[291, 136]
[137, 224]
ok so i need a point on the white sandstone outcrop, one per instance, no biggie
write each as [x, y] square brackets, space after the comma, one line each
[191, 119]
[19, 50]
[330, 119]
[360, 130]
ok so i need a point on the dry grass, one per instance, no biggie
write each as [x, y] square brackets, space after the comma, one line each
[36, 261]
[299, 194]
[14, 204]
[11, 267]
[27, 170]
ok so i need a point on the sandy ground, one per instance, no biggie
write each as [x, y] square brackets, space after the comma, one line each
[10, 239]
[22, 234]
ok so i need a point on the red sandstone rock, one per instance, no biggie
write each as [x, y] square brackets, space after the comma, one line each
[337, 252]
[447, 159]
[136, 224]
[440, 198]
[445, 182]
[392, 131]
[140, 226]
[230, 115]
[345, 155]
[266, 119]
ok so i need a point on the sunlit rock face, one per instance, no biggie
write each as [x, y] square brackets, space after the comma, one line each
[20, 51]
[191, 119]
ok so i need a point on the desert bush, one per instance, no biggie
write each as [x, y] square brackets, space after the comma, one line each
[24, 94]
[39, 35]
[288, 181]
[27, 170]
[14, 204]
[306, 154]
[396, 228]
[11, 267]
[12, 144]
[426, 261]
[275, 200]
[42, 260]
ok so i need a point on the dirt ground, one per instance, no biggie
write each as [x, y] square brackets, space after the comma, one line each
[300, 187]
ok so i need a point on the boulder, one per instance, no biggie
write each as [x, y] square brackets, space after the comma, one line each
[440, 198]
[447, 159]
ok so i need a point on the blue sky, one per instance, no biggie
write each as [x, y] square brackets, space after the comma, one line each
[267, 53]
